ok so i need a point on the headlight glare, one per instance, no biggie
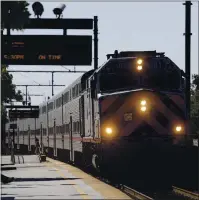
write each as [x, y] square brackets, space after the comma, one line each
[178, 128]
[109, 130]
[143, 108]
[139, 67]
[143, 102]
[139, 61]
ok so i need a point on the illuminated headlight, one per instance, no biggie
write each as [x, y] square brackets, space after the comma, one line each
[109, 131]
[178, 128]
[139, 61]
[139, 67]
[143, 102]
[143, 108]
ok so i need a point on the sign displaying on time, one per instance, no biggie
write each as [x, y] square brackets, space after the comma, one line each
[46, 50]
[23, 114]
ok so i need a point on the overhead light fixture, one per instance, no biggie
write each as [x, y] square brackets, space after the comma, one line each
[38, 9]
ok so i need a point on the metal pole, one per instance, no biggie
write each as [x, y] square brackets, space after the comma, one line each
[52, 83]
[188, 55]
[14, 136]
[35, 128]
[95, 32]
[64, 32]
[9, 20]
[26, 95]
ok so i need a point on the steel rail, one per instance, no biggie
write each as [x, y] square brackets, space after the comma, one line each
[185, 193]
[135, 194]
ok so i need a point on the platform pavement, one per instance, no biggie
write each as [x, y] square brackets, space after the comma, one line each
[54, 180]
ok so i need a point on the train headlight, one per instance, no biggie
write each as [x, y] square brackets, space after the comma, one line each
[139, 67]
[143, 108]
[143, 102]
[178, 129]
[108, 131]
[139, 61]
[139, 64]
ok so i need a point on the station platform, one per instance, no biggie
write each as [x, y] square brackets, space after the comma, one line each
[53, 180]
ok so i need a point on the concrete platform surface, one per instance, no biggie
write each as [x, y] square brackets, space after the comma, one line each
[55, 180]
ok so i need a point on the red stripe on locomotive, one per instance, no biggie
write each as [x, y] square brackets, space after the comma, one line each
[130, 103]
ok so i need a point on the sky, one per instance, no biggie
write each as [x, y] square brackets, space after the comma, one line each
[123, 26]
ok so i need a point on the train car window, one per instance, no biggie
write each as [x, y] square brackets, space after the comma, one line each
[74, 127]
[79, 88]
[40, 110]
[75, 94]
[66, 97]
[78, 127]
[50, 106]
[59, 102]
[66, 128]
[43, 109]
[75, 90]
[83, 85]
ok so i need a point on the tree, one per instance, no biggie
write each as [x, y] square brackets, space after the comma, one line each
[196, 81]
[8, 93]
[195, 105]
[14, 14]
[8, 89]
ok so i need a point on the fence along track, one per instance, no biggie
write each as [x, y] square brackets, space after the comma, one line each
[135, 194]
[185, 193]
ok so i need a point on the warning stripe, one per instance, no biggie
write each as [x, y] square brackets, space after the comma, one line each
[162, 116]
[171, 105]
[179, 101]
[128, 128]
[117, 104]
[106, 103]
[148, 127]
[160, 106]
[162, 119]
[157, 126]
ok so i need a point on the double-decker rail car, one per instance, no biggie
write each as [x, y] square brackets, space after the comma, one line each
[127, 113]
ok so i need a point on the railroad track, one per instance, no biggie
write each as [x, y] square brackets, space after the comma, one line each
[135, 194]
[175, 194]
[185, 193]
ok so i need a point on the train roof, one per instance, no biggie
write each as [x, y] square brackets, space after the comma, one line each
[130, 55]
[83, 77]
[125, 54]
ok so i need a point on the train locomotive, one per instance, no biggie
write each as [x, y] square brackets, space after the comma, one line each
[124, 116]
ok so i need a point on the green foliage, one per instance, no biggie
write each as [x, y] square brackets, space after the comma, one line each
[14, 13]
[8, 90]
[196, 81]
[195, 105]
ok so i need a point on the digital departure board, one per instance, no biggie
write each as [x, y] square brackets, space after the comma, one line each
[23, 114]
[46, 50]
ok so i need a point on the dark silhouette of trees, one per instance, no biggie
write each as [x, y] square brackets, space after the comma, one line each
[14, 14]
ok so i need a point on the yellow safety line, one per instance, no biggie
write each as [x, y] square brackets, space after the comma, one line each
[78, 189]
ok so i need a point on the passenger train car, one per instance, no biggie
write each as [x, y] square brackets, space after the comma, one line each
[127, 110]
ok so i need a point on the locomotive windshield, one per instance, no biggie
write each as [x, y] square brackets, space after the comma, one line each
[157, 73]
